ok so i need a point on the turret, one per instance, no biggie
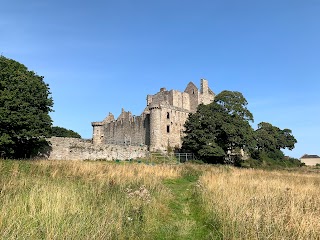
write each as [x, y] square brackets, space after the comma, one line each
[98, 133]
[155, 127]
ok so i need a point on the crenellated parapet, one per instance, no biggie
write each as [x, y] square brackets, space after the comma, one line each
[97, 124]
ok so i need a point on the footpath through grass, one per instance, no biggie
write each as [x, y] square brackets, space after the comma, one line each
[188, 218]
[96, 200]
[100, 200]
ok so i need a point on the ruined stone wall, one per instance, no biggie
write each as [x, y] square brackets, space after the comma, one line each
[129, 129]
[180, 100]
[193, 92]
[79, 149]
[206, 95]
[161, 97]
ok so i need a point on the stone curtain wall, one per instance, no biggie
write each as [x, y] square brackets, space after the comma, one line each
[128, 129]
[79, 149]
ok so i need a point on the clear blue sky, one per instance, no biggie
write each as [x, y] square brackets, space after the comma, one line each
[99, 56]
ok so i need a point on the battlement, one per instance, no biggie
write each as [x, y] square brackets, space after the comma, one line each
[94, 124]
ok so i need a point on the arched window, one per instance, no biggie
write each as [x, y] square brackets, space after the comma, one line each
[168, 115]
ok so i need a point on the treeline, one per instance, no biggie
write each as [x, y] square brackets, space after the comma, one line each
[63, 132]
[220, 132]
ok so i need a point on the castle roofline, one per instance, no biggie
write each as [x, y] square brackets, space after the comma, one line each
[192, 85]
[97, 124]
[310, 156]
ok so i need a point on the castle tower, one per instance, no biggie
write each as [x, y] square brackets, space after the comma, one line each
[98, 133]
[204, 88]
[206, 95]
[155, 127]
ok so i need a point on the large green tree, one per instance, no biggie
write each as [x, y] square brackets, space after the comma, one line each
[219, 130]
[271, 139]
[201, 131]
[63, 132]
[235, 104]
[25, 103]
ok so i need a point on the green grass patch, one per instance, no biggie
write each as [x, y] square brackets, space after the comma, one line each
[188, 215]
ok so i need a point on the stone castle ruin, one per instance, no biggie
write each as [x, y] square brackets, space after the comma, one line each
[160, 125]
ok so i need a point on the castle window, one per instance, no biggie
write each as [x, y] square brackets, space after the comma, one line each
[168, 128]
[192, 91]
[168, 115]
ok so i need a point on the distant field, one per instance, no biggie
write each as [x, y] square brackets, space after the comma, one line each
[100, 200]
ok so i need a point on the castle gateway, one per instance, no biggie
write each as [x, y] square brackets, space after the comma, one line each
[160, 125]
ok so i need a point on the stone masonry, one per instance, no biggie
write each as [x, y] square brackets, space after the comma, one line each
[79, 149]
[160, 125]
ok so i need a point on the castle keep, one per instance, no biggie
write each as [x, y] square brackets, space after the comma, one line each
[160, 125]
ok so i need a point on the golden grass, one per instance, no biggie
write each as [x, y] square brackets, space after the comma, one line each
[82, 200]
[118, 174]
[99, 200]
[257, 204]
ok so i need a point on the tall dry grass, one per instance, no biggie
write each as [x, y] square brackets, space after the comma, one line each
[257, 204]
[99, 200]
[82, 200]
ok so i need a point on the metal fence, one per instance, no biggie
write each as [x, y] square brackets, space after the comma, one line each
[184, 157]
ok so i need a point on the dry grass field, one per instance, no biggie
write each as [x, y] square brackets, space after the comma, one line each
[82, 200]
[100, 200]
[257, 204]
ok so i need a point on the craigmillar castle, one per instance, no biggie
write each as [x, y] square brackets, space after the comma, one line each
[160, 125]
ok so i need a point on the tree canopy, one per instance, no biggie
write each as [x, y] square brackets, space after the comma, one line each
[219, 129]
[63, 132]
[25, 103]
[235, 104]
[270, 140]
[201, 132]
